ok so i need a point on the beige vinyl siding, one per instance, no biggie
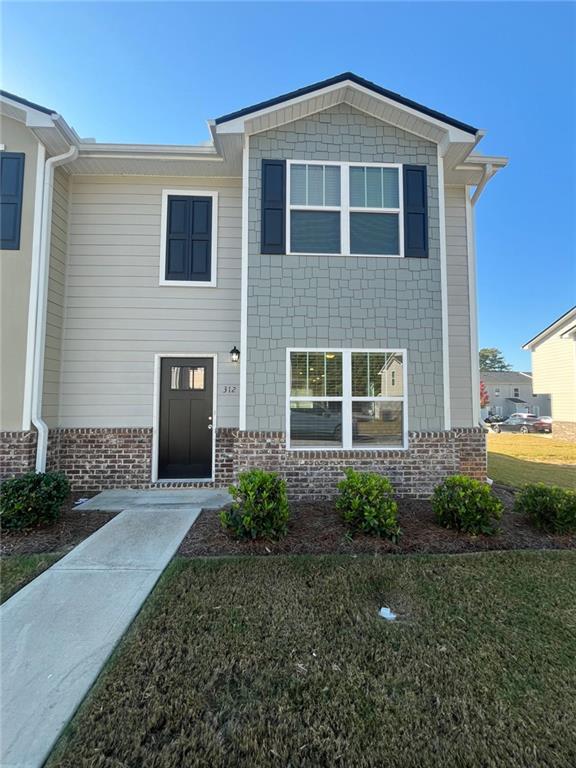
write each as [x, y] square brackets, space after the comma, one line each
[118, 316]
[56, 297]
[554, 373]
[15, 270]
[459, 332]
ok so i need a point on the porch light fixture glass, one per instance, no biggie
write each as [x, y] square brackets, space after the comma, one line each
[234, 354]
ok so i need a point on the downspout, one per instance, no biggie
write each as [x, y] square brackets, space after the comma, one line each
[41, 304]
[486, 176]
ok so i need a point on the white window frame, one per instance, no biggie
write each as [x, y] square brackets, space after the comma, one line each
[166, 193]
[345, 209]
[347, 399]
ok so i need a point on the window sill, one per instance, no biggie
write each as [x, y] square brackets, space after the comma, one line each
[352, 255]
[189, 283]
[340, 449]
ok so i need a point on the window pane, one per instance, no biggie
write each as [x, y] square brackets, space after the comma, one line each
[332, 185]
[186, 378]
[315, 185]
[357, 187]
[377, 423]
[298, 184]
[374, 233]
[175, 377]
[316, 424]
[315, 232]
[390, 187]
[374, 187]
[316, 374]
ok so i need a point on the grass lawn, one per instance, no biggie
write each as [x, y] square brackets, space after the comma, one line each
[515, 459]
[18, 570]
[284, 662]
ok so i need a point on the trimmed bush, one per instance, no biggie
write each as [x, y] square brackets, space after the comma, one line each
[467, 505]
[366, 503]
[260, 508]
[32, 499]
[549, 507]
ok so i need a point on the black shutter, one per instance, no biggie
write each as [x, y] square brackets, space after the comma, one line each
[415, 212]
[11, 185]
[273, 235]
[189, 238]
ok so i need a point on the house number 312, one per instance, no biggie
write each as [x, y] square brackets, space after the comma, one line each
[228, 389]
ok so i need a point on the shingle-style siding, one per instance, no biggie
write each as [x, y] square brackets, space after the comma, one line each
[459, 333]
[117, 314]
[56, 297]
[319, 301]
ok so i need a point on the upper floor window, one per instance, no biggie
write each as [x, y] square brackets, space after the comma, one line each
[516, 392]
[188, 238]
[345, 208]
[11, 188]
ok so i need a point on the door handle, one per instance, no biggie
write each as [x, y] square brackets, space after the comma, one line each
[209, 426]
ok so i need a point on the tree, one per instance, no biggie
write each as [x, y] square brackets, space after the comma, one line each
[491, 359]
[484, 398]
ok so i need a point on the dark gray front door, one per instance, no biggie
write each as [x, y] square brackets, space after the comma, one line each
[185, 443]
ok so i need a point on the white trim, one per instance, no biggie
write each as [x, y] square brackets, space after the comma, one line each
[347, 399]
[244, 283]
[156, 414]
[33, 291]
[472, 301]
[214, 245]
[238, 124]
[444, 293]
[345, 209]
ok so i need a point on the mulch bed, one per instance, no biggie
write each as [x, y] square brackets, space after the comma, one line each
[316, 529]
[72, 528]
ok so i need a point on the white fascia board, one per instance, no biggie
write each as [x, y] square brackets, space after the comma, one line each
[238, 125]
[566, 319]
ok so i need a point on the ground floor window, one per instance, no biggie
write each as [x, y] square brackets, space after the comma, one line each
[346, 399]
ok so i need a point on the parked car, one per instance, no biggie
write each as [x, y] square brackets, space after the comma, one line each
[543, 424]
[518, 422]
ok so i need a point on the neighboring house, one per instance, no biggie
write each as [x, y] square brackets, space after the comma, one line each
[554, 370]
[511, 392]
[299, 295]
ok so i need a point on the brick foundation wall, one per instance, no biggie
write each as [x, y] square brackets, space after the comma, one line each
[431, 457]
[564, 430]
[95, 459]
[17, 453]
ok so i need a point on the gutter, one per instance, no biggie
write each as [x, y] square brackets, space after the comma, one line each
[40, 282]
[489, 171]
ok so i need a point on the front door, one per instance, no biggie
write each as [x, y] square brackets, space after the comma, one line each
[185, 431]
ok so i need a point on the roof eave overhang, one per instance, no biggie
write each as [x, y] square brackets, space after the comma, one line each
[383, 107]
[566, 319]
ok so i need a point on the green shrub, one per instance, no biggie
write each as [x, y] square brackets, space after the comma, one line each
[467, 505]
[549, 507]
[366, 502]
[32, 499]
[260, 508]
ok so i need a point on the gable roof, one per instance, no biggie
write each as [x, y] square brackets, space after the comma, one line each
[348, 77]
[26, 103]
[505, 377]
[567, 318]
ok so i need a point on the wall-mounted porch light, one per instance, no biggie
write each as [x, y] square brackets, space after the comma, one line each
[234, 354]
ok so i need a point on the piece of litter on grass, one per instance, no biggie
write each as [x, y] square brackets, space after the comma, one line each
[79, 501]
[386, 613]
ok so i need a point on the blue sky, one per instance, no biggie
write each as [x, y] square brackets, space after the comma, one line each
[154, 72]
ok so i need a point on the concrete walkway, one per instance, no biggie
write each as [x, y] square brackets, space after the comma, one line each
[59, 630]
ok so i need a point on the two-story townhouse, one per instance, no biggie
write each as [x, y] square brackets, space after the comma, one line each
[512, 392]
[554, 369]
[299, 295]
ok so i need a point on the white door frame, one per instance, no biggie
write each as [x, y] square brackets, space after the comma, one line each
[156, 414]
